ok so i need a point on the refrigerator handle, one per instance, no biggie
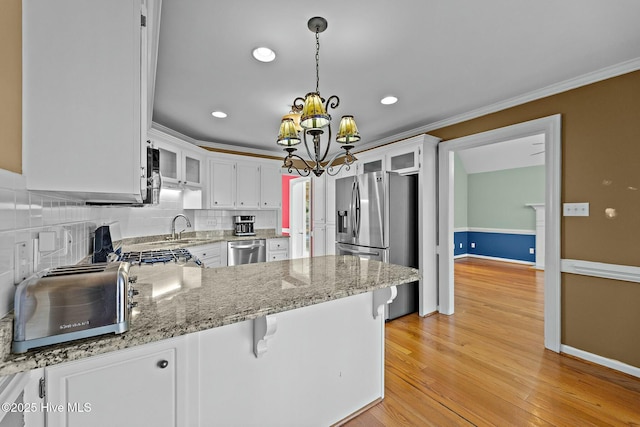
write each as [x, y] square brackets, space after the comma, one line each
[357, 215]
[352, 209]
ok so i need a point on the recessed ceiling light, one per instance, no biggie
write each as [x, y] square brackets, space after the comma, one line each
[388, 100]
[219, 114]
[264, 54]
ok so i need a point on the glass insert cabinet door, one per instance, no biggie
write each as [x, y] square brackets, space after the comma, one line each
[192, 170]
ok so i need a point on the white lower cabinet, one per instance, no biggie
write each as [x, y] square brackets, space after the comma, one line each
[132, 387]
[278, 249]
[212, 255]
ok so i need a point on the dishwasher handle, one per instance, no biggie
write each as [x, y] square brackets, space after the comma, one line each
[252, 246]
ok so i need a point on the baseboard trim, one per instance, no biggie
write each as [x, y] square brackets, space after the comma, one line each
[600, 360]
[493, 258]
[358, 412]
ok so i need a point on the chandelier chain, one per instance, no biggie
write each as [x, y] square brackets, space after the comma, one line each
[317, 59]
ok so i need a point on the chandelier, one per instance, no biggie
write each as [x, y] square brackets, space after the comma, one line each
[309, 116]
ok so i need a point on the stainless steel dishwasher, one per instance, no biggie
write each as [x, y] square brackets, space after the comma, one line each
[246, 251]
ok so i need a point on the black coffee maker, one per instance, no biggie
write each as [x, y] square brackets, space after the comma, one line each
[104, 248]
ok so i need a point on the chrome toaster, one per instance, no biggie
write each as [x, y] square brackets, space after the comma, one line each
[72, 302]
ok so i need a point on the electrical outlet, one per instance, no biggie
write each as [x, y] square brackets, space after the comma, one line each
[460, 245]
[532, 251]
[473, 245]
[575, 209]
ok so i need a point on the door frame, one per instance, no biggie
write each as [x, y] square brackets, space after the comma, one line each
[297, 205]
[551, 127]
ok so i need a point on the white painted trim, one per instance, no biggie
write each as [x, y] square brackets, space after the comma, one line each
[460, 256]
[583, 80]
[501, 230]
[494, 258]
[551, 127]
[626, 273]
[599, 360]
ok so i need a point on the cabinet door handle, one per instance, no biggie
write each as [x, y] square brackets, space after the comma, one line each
[163, 364]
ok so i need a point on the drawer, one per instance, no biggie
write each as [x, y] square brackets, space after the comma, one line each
[205, 251]
[277, 256]
[278, 244]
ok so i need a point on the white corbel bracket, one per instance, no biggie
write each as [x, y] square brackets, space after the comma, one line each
[381, 297]
[264, 327]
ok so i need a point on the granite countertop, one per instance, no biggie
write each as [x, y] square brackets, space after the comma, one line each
[176, 300]
[191, 239]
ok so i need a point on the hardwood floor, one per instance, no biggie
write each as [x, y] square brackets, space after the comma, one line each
[486, 364]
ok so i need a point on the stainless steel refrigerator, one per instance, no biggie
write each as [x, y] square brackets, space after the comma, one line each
[377, 218]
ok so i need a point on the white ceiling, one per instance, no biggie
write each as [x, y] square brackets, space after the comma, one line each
[516, 153]
[441, 58]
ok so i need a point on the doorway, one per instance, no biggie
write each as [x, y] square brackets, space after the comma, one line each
[550, 127]
[300, 216]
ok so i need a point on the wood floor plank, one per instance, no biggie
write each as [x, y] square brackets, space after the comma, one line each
[487, 365]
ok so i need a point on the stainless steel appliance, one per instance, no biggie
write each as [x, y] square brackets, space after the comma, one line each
[377, 218]
[180, 256]
[150, 189]
[243, 225]
[246, 251]
[72, 302]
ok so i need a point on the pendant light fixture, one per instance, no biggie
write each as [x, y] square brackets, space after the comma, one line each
[314, 120]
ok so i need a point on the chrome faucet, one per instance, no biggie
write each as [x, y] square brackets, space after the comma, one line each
[173, 226]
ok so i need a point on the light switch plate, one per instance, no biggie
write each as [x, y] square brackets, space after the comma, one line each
[575, 209]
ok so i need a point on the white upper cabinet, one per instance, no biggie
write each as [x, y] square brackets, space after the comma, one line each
[270, 187]
[236, 183]
[404, 161]
[248, 185]
[371, 163]
[223, 184]
[179, 167]
[84, 79]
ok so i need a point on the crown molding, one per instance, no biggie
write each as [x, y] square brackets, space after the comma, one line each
[215, 146]
[554, 89]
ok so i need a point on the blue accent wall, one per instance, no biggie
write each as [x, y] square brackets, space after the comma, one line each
[498, 245]
[460, 238]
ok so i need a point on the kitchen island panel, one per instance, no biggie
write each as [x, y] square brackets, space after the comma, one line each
[323, 363]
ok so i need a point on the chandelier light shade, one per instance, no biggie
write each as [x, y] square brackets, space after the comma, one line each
[295, 116]
[288, 135]
[310, 116]
[348, 131]
[314, 115]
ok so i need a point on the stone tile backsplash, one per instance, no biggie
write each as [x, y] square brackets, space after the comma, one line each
[25, 214]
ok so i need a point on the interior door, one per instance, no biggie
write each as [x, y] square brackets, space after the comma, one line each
[299, 226]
